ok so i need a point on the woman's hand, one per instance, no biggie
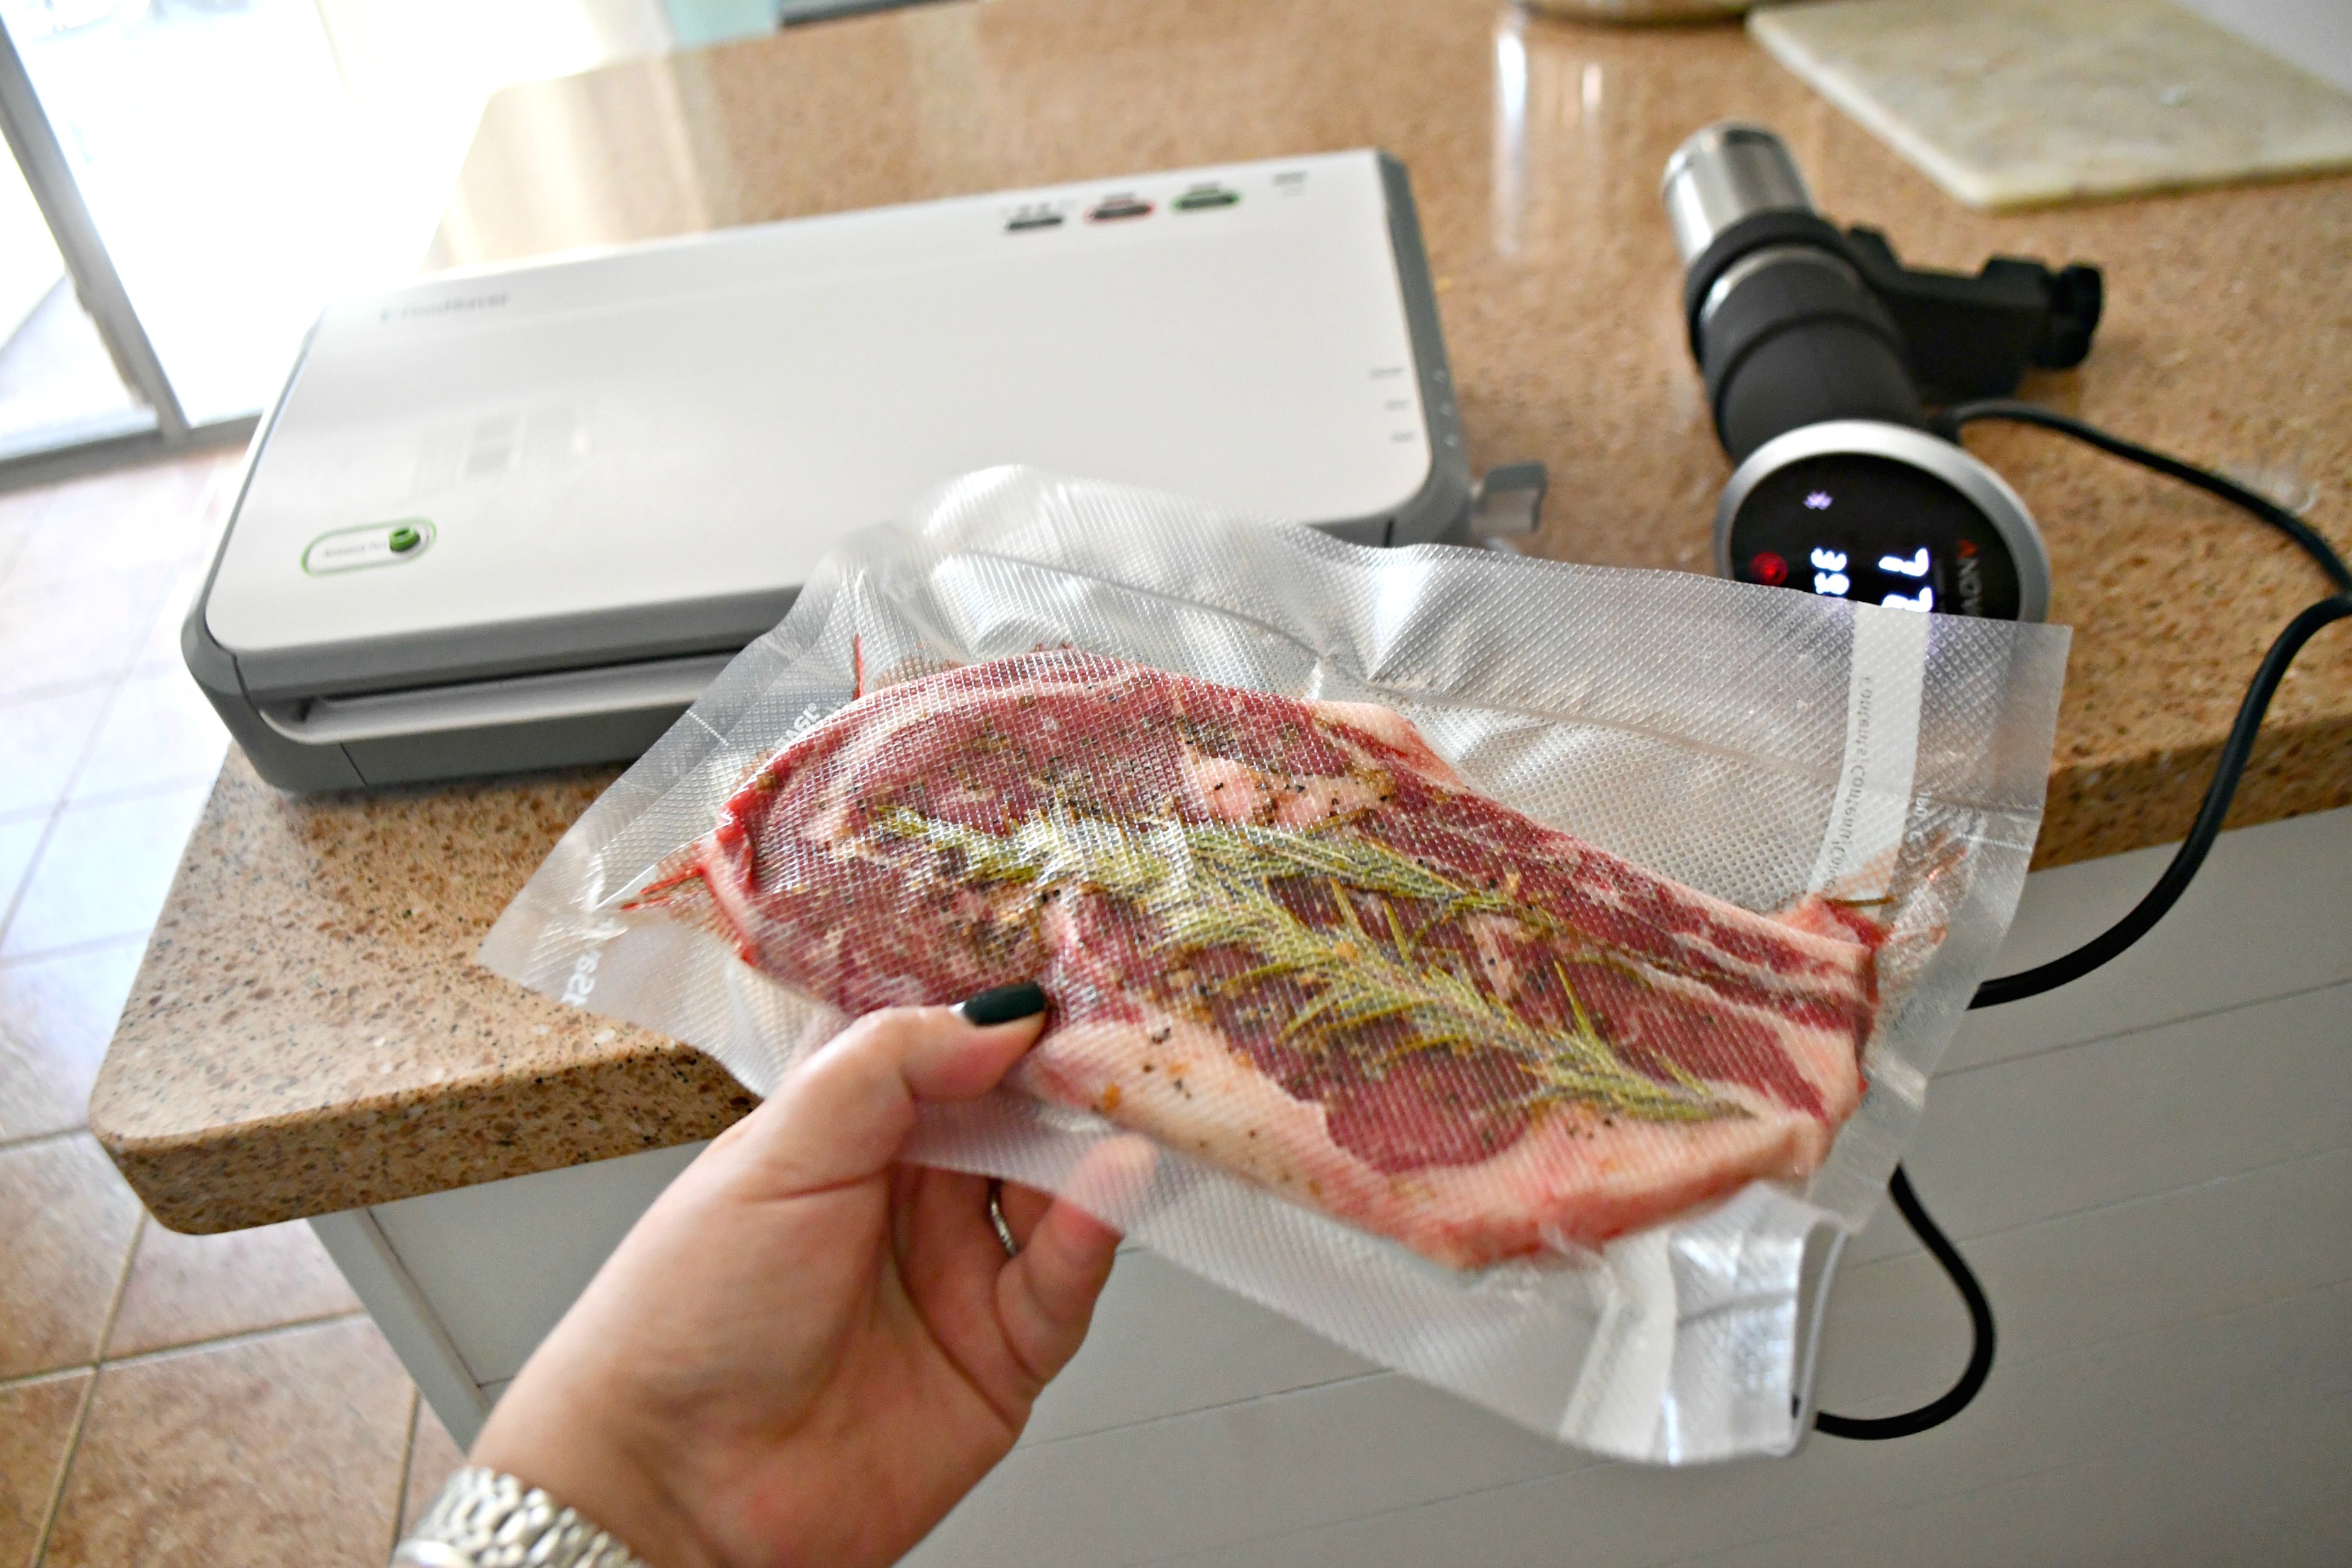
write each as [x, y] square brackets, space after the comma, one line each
[806, 1353]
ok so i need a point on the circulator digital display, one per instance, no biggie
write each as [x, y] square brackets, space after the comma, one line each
[1853, 526]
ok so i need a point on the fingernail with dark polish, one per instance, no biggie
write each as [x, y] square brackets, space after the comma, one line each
[1002, 1004]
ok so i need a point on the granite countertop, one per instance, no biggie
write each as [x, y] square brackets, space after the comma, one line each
[310, 1032]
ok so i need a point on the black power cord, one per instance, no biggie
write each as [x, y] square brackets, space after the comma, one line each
[2143, 915]
[2257, 702]
[1953, 1400]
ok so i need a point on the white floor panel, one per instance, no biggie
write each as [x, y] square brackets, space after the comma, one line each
[2169, 1386]
[2311, 1535]
[2069, 1129]
[502, 1261]
[1199, 1480]
[2180, 1496]
[2244, 931]
[1895, 1332]
[1165, 1342]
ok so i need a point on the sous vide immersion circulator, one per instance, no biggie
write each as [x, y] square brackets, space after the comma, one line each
[1820, 353]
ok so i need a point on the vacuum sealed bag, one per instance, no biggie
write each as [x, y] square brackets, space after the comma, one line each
[1526, 973]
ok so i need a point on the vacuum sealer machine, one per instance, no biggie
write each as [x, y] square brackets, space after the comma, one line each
[520, 518]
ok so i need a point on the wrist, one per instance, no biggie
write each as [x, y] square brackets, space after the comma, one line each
[572, 1454]
[485, 1519]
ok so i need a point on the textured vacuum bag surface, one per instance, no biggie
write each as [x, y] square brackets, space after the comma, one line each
[1525, 972]
[1287, 938]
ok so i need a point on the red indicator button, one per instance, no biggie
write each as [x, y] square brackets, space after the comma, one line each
[1770, 569]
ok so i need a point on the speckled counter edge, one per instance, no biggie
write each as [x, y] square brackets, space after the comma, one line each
[471, 1131]
[2093, 813]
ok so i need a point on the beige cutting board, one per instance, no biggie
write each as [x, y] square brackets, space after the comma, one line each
[2008, 103]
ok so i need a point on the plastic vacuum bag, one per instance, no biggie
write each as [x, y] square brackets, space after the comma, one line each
[1870, 780]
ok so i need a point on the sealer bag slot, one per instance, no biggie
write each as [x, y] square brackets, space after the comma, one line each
[1115, 739]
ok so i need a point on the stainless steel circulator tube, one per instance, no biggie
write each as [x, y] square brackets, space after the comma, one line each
[1727, 172]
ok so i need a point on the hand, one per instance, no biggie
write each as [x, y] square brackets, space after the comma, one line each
[806, 1353]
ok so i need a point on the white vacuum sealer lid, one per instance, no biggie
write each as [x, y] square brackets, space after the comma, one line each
[643, 453]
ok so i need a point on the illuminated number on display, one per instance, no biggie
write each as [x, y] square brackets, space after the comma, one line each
[1829, 573]
[1926, 600]
[1917, 566]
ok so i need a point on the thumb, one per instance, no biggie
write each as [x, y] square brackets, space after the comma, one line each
[842, 1115]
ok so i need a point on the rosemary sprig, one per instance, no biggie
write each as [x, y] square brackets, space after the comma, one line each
[1354, 983]
[1208, 885]
[1377, 867]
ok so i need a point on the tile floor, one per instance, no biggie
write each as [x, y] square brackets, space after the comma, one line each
[164, 1399]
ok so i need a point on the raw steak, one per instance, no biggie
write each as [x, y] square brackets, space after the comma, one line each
[1285, 937]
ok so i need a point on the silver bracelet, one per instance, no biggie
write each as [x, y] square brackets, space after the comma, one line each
[485, 1519]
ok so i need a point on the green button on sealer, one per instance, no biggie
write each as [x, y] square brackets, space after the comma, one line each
[386, 544]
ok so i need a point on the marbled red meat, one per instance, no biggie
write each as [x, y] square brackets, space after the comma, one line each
[1286, 938]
